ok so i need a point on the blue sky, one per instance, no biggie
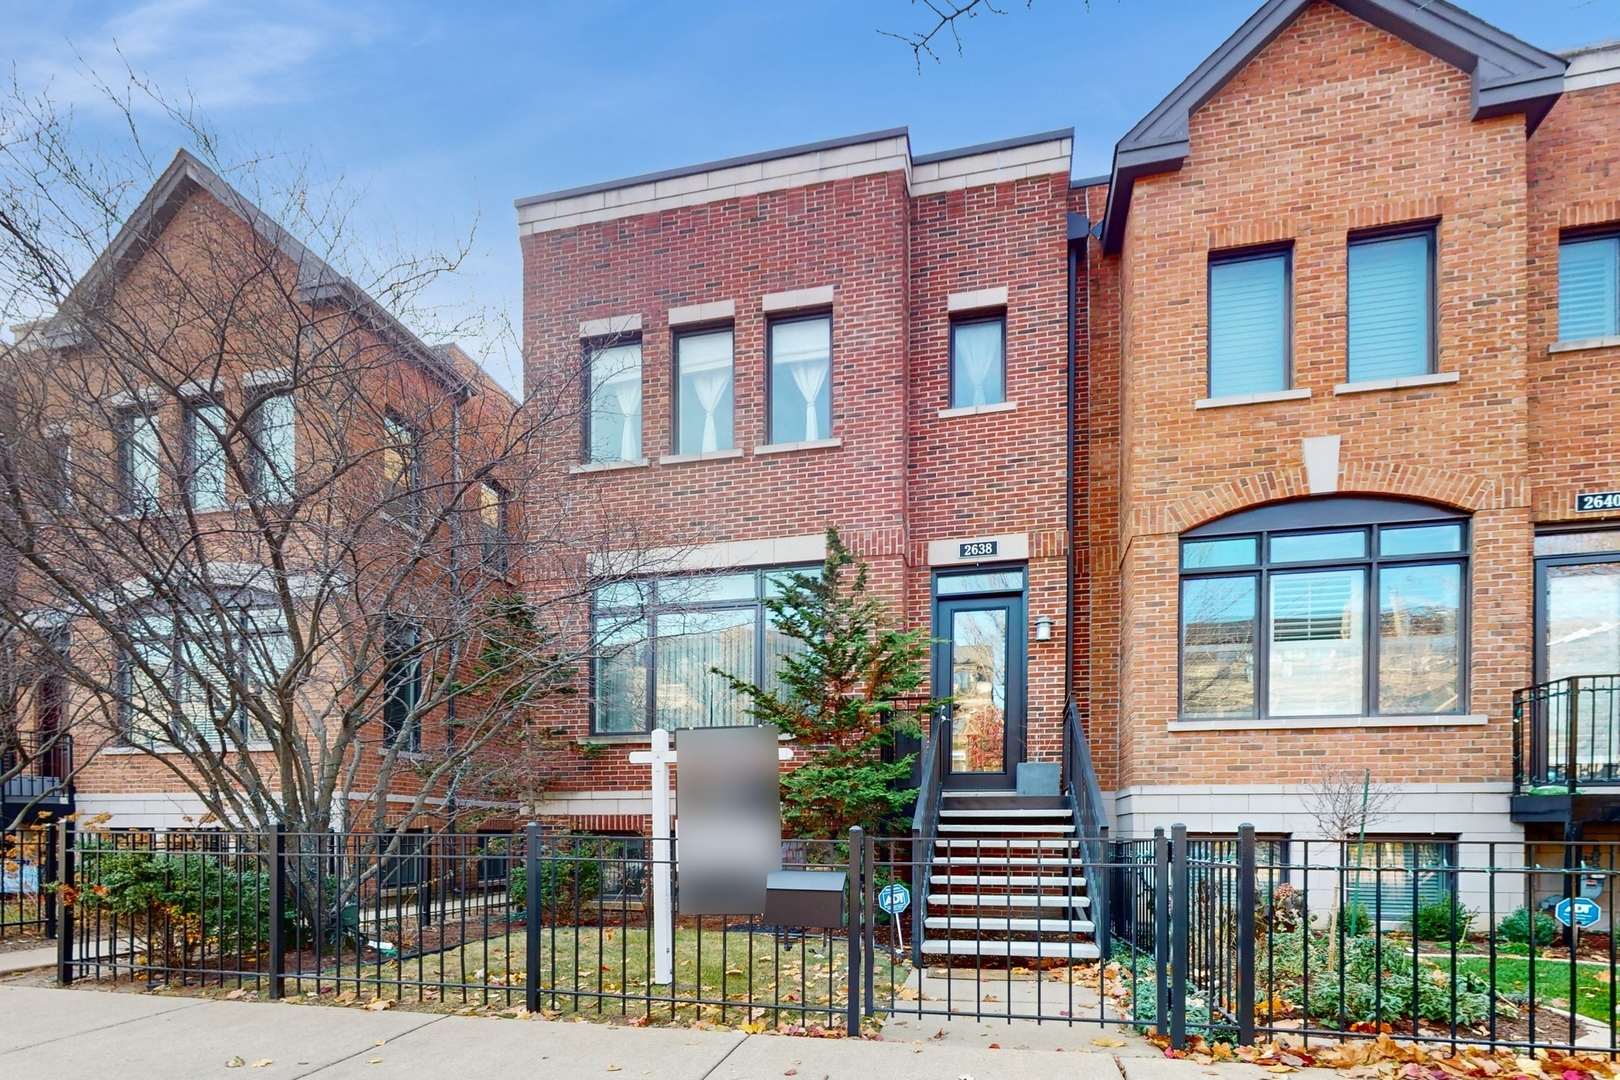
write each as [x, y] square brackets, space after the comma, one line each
[440, 115]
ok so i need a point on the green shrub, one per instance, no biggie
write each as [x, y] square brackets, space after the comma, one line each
[1354, 919]
[1516, 928]
[184, 906]
[570, 872]
[1446, 919]
[1374, 981]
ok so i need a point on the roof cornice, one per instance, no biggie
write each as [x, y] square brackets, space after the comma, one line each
[1508, 76]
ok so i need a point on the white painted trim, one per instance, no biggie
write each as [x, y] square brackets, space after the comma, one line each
[1400, 382]
[610, 327]
[1302, 394]
[789, 447]
[977, 299]
[977, 410]
[1592, 66]
[1009, 547]
[252, 380]
[707, 455]
[123, 399]
[1319, 723]
[890, 154]
[821, 296]
[191, 391]
[726, 555]
[698, 313]
[1579, 344]
[608, 466]
[992, 167]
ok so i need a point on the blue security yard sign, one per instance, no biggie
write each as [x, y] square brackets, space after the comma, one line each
[894, 898]
[1578, 911]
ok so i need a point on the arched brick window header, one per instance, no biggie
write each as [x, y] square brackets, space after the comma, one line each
[1324, 512]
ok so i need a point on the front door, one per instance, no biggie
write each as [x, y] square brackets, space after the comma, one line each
[1578, 611]
[979, 661]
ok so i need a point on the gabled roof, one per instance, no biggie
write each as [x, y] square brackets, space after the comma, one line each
[318, 282]
[1509, 76]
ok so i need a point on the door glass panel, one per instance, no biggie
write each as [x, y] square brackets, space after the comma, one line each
[969, 584]
[979, 689]
[1583, 620]
[1317, 643]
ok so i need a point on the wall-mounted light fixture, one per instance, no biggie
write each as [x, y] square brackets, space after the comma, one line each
[1043, 628]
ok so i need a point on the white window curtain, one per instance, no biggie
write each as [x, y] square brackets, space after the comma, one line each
[616, 404]
[706, 373]
[977, 349]
[802, 350]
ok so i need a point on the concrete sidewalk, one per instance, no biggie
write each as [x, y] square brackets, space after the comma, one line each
[83, 1033]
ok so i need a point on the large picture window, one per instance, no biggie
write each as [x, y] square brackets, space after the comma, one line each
[659, 639]
[1324, 607]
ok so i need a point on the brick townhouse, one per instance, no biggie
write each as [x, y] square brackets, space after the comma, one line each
[208, 385]
[1283, 448]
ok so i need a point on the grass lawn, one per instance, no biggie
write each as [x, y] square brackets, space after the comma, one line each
[585, 971]
[1592, 986]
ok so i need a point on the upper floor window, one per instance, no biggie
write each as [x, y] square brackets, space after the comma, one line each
[1250, 334]
[492, 526]
[402, 687]
[1324, 607]
[613, 391]
[59, 462]
[703, 392]
[205, 454]
[271, 457]
[402, 469]
[978, 362]
[1589, 288]
[1391, 306]
[139, 461]
[801, 378]
[659, 641]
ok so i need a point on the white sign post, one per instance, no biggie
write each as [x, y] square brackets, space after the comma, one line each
[661, 757]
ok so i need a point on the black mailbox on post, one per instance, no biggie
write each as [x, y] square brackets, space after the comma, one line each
[812, 898]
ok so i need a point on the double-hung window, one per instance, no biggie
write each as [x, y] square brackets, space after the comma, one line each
[1250, 322]
[801, 379]
[271, 459]
[402, 469]
[1391, 304]
[139, 461]
[1337, 607]
[978, 361]
[1588, 287]
[205, 454]
[703, 391]
[613, 394]
[492, 526]
[402, 687]
[660, 639]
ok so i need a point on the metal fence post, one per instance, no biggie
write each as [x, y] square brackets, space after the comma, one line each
[1102, 915]
[1247, 899]
[531, 916]
[869, 904]
[53, 863]
[853, 935]
[278, 909]
[64, 907]
[1180, 901]
[1161, 931]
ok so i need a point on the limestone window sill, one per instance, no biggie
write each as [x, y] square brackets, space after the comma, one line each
[608, 466]
[790, 447]
[978, 410]
[1401, 382]
[1252, 399]
[254, 747]
[1318, 723]
[709, 455]
[1583, 343]
[617, 738]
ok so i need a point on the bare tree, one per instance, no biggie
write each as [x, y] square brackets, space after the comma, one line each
[284, 539]
[946, 18]
[1345, 803]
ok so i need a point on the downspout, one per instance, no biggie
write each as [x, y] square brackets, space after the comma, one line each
[451, 807]
[1078, 229]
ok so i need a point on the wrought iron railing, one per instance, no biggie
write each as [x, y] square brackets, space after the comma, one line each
[1566, 735]
[925, 821]
[1090, 818]
[35, 773]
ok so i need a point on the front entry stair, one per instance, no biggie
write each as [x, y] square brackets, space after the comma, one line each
[1006, 880]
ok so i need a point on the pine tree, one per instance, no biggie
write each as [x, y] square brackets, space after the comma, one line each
[853, 684]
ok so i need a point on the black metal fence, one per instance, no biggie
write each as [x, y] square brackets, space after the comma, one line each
[27, 868]
[1212, 938]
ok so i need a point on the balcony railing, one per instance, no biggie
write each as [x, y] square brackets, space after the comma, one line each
[1566, 736]
[35, 774]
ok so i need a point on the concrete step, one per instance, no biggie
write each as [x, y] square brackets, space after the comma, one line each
[1050, 862]
[1061, 814]
[1006, 900]
[993, 845]
[1006, 882]
[1001, 831]
[1009, 926]
[1070, 950]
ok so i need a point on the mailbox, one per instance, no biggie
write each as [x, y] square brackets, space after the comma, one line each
[813, 898]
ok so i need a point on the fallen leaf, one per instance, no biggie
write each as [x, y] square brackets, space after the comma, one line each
[262, 1062]
[791, 1072]
[375, 1061]
[1103, 1040]
[235, 1063]
[236, 995]
[379, 1005]
[613, 1068]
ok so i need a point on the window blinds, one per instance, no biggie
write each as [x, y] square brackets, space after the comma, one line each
[1248, 326]
[1391, 300]
[1589, 288]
